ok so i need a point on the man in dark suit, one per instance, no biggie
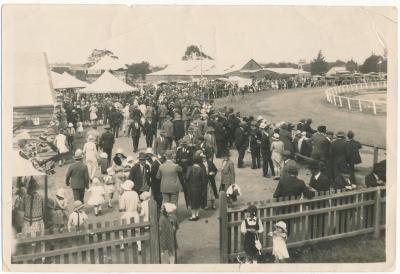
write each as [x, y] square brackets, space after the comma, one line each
[140, 175]
[241, 142]
[211, 173]
[321, 146]
[338, 153]
[291, 185]
[134, 130]
[160, 144]
[178, 128]
[255, 146]
[115, 119]
[155, 184]
[106, 143]
[352, 155]
[149, 129]
[288, 163]
[266, 151]
[318, 180]
[78, 177]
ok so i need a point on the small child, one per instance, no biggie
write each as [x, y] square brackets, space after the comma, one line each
[97, 194]
[168, 227]
[103, 163]
[144, 212]
[279, 237]
[60, 211]
[78, 217]
[251, 227]
[232, 193]
[80, 129]
[109, 185]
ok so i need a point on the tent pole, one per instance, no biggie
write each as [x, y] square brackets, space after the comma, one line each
[45, 193]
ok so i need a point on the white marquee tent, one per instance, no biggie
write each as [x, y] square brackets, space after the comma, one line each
[108, 63]
[65, 80]
[108, 83]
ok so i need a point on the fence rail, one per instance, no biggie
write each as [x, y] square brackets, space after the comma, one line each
[337, 96]
[329, 215]
[114, 242]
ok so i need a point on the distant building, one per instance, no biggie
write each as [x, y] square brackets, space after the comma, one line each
[335, 71]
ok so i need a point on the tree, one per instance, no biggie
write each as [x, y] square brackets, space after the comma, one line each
[374, 63]
[139, 69]
[351, 65]
[194, 53]
[319, 65]
[97, 54]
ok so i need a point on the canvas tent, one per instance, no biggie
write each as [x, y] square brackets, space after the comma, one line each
[66, 81]
[288, 71]
[108, 63]
[241, 82]
[108, 83]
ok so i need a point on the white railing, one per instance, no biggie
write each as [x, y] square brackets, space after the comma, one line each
[336, 96]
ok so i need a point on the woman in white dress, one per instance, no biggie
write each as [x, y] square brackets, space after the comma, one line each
[277, 148]
[61, 143]
[90, 152]
[93, 114]
[125, 113]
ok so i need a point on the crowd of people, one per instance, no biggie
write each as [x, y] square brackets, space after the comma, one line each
[183, 134]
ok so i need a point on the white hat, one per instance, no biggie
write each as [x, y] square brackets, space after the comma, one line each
[282, 225]
[145, 196]
[127, 185]
[119, 150]
[259, 118]
[275, 136]
[304, 133]
[60, 193]
[110, 171]
[169, 208]
[91, 138]
[70, 125]
[103, 155]
[149, 150]
[78, 154]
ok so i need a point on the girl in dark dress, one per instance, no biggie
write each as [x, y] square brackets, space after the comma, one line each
[251, 228]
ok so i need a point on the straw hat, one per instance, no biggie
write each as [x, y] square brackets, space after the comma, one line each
[275, 137]
[169, 207]
[149, 151]
[77, 205]
[103, 155]
[142, 156]
[91, 138]
[282, 225]
[127, 185]
[70, 125]
[78, 154]
[60, 193]
[145, 196]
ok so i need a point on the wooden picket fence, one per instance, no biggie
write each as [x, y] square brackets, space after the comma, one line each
[112, 242]
[328, 216]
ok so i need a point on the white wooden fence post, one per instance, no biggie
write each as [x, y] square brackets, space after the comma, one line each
[359, 105]
[374, 107]
[334, 100]
[340, 101]
[348, 103]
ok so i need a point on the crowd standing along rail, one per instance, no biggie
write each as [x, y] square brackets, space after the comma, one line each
[327, 216]
[337, 96]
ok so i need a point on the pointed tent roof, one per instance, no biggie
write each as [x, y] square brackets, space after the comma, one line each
[32, 82]
[108, 63]
[108, 83]
[65, 80]
[251, 66]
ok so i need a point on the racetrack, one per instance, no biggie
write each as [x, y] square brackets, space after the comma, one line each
[294, 104]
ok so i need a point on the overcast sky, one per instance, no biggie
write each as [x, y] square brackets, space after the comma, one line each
[229, 34]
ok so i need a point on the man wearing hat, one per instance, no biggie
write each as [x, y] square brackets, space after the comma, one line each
[321, 145]
[339, 153]
[70, 133]
[160, 144]
[307, 126]
[106, 142]
[170, 173]
[291, 185]
[168, 129]
[140, 174]
[162, 113]
[155, 184]
[342, 180]
[179, 128]
[241, 142]
[115, 118]
[209, 141]
[318, 180]
[134, 131]
[301, 125]
[78, 177]
[255, 145]
[149, 130]
[265, 148]
[288, 162]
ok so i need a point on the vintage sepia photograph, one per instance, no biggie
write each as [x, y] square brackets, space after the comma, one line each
[230, 136]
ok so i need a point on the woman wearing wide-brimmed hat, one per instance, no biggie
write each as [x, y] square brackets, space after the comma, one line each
[33, 207]
[62, 146]
[90, 152]
[227, 172]
[277, 148]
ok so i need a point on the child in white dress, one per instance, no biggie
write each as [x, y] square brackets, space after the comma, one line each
[144, 212]
[80, 129]
[279, 237]
[97, 193]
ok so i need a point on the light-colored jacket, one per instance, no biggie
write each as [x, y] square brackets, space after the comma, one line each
[169, 175]
[228, 173]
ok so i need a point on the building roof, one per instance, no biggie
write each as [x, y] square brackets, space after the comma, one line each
[337, 70]
[108, 83]
[108, 63]
[251, 66]
[32, 82]
[65, 80]
[288, 71]
[196, 68]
